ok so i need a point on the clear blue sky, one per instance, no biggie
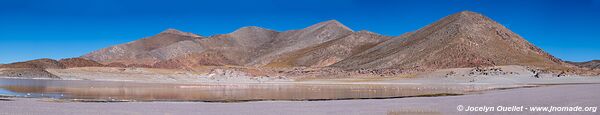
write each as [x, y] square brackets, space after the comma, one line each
[31, 29]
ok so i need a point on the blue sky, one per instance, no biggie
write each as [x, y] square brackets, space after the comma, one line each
[31, 29]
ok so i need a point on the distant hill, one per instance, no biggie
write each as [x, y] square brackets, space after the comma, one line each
[594, 64]
[247, 46]
[37, 68]
[140, 51]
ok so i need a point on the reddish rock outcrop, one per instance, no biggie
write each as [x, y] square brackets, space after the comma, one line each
[79, 62]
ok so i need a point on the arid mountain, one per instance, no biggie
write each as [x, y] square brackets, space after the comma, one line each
[37, 68]
[594, 64]
[247, 46]
[323, 50]
[464, 39]
[38, 63]
[236, 48]
[79, 62]
[140, 51]
[239, 47]
[330, 52]
[295, 40]
[53, 64]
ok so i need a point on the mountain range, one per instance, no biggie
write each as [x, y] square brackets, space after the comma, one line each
[463, 39]
[592, 65]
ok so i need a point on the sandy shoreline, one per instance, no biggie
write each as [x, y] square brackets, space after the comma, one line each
[557, 95]
[575, 90]
[511, 74]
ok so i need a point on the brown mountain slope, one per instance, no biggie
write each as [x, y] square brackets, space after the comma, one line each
[245, 46]
[255, 45]
[330, 52]
[138, 52]
[53, 64]
[206, 58]
[464, 39]
[236, 48]
[38, 64]
[79, 62]
[291, 41]
[594, 64]
[37, 68]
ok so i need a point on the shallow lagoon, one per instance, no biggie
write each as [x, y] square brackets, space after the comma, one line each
[130, 91]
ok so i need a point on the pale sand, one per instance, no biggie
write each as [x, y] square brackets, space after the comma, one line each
[509, 75]
[559, 95]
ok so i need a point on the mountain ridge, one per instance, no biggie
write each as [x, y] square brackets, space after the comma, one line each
[463, 39]
[592, 64]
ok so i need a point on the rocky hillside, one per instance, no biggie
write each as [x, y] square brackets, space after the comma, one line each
[330, 52]
[593, 65]
[247, 46]
[79, 62]
[31, 69]
[295, 40]
[37, 68]
[140, 51]
[38, 63]
[464, 39]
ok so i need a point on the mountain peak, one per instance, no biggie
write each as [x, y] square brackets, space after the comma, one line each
[333, 22]
[463, 39]
[250, 29]
[467, 12]
[464, 19]
[329, 23]
[367, 32]
[469, 15]
[175, 31]
[250, 32]
[171, 30]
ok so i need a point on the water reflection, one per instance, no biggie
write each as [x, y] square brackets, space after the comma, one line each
[214, 92]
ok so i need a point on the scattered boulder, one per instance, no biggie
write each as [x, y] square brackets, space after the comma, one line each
[488, 71]
[233, 75]
[139, 65]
